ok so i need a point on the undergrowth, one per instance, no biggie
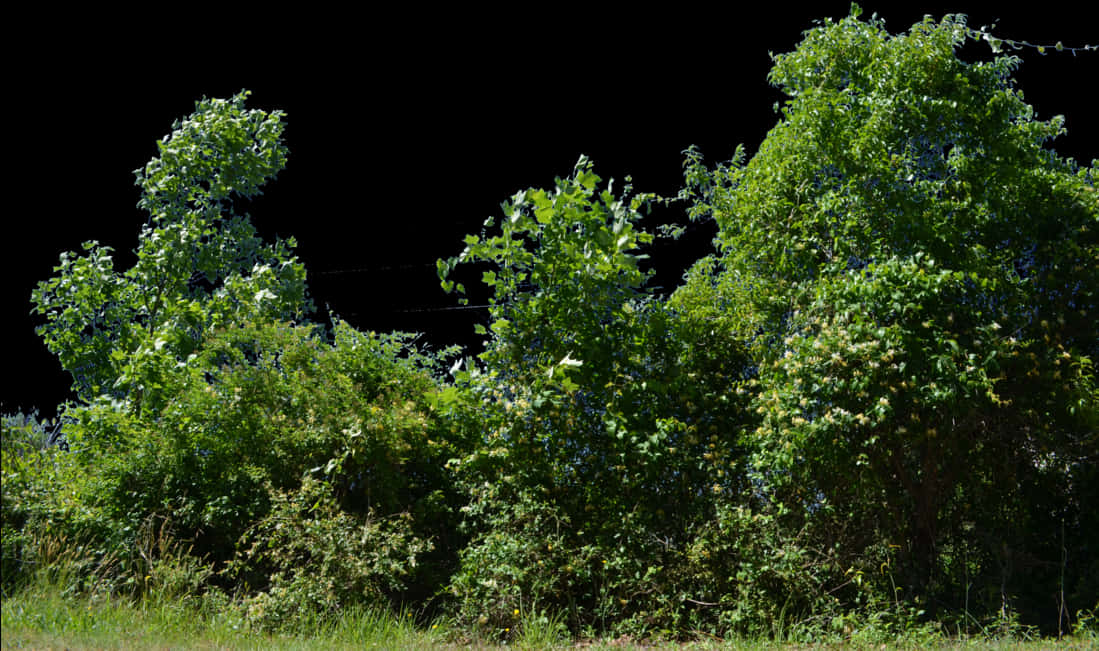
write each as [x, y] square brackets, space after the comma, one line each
[45, 614]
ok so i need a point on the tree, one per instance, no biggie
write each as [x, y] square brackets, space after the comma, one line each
[603, 437]
[915, 273]
[199, 265]
[305, 466]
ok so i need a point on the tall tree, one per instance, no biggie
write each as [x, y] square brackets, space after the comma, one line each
[602, 434]
[916, 273]
[199, 263]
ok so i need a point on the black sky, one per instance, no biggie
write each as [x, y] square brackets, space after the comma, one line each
[405, 133]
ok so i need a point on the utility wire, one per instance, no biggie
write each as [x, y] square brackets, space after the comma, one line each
[417, 310]
[444, 309]
[393, 267]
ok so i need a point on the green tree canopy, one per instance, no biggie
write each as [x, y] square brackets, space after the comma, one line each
[600, 428]
[199, 264]
[875, 400]
[916, 274]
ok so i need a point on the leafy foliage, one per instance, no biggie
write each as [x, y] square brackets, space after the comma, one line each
[199, 264]
[596, 416]
[872, 406]
[203, 409]
[27, 458]
[263, 413]
[317, 557]
[898, 253]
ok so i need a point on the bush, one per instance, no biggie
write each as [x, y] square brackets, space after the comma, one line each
[312, 558]
[261, 418]
[525, 556]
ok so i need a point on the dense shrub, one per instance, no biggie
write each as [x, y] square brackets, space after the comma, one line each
[603, 434]
[259, 410]
[913, 269]
[313, 557]
[875, 405]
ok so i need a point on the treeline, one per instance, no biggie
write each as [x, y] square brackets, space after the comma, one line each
[875, 404]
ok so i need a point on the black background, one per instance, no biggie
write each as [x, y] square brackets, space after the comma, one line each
[406, 131]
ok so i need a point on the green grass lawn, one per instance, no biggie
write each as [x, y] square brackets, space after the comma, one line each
[42, 618]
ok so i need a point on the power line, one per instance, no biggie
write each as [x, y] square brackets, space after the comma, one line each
[444, 309]
[417, 310]
[392, 267]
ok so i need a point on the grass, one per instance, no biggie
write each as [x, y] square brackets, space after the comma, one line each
[41, 617]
